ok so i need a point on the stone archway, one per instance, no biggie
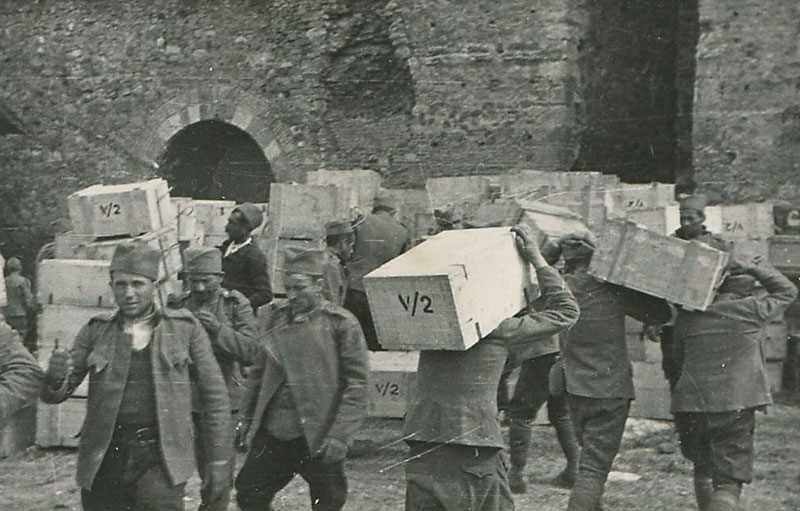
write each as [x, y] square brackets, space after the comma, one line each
[196, 115]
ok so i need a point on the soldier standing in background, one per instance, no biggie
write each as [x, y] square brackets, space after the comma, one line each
[379, 238]
[595, 371]
[244, 264]
[21, 305]
[136, 446]
[227, 317]
[723, 381]
[340, 240]
[456, 447]
[20, 376]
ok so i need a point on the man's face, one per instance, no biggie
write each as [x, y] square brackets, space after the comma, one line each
[692, 222]
[303, 292]
[133, 293]
[344, 247]
[237, 227]
[205, 286]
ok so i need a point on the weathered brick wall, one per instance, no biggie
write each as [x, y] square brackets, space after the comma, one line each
[746, 130]
[494, 85]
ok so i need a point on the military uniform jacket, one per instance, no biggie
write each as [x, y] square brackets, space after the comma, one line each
[20, 298]
[322, 359]
[456, 397]
[20, 375]
[246, 271]
[235, 345]
[723, 367]
[595, 351]
[379, 239]
[103, 350]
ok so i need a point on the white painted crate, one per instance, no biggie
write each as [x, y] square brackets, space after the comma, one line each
[393, 382]
[117, 210]
[60, 425]
[74, 282]
[362, 183]
[297, 210]
[448, 292]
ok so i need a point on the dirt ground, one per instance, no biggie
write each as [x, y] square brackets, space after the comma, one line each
[643, 478]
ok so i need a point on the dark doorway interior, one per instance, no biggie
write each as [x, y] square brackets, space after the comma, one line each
[637, 65]
[216, 160]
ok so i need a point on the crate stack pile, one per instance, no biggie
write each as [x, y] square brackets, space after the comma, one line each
[74, 286]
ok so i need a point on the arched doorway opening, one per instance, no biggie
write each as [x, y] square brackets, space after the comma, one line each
[212, 159]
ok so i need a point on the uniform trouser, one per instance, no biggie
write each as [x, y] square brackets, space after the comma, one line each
[356, 302]
[671, 356]
[272, 463]
[599, 424]
[20, 325]
[200, 450]
[450, 477]
[132, 477]
[533, 390]
[719, 444]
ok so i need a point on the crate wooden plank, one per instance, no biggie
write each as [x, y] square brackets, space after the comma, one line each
[212, 214]
[275, 258]
[362, 183]
[745, 221]
[784, 253]
[19, 431]
[444, 191]
[393, 380]
[652, 392]
[74, 282]
[588, 203]
[553, 221]
[297, 210]
[448, 292]
[625, 198]
[60, 425]
[682, 272]
[115, 210]
[76, 246]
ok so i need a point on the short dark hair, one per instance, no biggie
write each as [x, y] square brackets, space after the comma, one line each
[334, 239]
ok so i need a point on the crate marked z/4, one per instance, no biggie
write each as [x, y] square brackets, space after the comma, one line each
[448, 292]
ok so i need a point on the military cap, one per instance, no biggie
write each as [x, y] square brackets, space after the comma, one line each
[338, 227]
[136, 257]
[307, 261]
[577, 245]
[252, 213]
[385, 202]
[203, 260]
[697, 202]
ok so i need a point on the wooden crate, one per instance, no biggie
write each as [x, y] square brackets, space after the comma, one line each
[682, 272]
[448, 292]
[77, 246]
[625, 198]
[189, 229]
[212, 214]
[553, 221]
[19, 431]
[653, 397]
[60, 425]
[363, 184]
[784, 253]
[660, 219]
[444, 191]
[301, 211]
[393, 382]
[745, 221]
[413, 210]
[493, 213]
[589, 204]
[117, 210]
[275, 258]
[74, 282]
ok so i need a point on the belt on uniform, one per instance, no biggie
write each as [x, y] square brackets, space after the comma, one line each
[143, 435]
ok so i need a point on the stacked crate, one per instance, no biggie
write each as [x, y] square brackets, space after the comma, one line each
[362, 185]
[298, 214]
[74, 286]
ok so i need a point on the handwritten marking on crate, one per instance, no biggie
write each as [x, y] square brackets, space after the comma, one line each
[110, 209]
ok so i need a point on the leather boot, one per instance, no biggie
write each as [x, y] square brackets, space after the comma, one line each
[725, 498]
[571, 449]
[703, 488]
[586, 495]
[519, 440]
